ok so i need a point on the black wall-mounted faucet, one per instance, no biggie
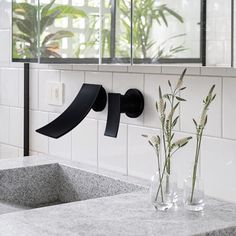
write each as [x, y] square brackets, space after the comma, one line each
[90, 96]
[132, 104]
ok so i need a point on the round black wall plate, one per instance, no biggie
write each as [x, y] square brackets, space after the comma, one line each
[136, 103]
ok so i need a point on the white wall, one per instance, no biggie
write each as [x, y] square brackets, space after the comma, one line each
[11, 91]
[129, 153]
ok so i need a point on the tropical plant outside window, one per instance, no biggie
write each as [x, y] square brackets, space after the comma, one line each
[94, 31]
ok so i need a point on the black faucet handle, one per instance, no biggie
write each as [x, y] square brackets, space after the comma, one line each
[132, 104]
[90, 96]
[113, 115]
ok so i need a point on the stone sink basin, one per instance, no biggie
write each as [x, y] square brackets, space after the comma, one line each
[50, 184]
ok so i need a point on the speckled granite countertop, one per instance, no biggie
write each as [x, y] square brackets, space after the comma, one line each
[124, 214]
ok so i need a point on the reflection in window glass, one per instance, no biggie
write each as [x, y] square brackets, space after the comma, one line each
[72, 31]
[105, 32]
[166, 29]
[115, 31]
[65, 29]
[92, 31]
[25, 29]
[123, 30]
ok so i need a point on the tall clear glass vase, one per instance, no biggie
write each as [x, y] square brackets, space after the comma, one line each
[193, 198]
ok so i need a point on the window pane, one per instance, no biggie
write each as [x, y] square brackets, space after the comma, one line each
[115, 33]
[164, 30]
[25, 30]
[69, 30]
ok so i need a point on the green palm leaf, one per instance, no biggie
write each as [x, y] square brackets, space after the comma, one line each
[24, 9]
[48, 20]
[20, 37]
[67, 11]
[46, 8]
[25, 26]
[57, 36]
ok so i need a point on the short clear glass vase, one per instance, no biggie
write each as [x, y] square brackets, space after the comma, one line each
[193, 197]
[162, 191]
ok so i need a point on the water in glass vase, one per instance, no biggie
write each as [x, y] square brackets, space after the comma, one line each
[161, 191]
[193, 194]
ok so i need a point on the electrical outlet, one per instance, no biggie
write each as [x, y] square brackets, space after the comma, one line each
[55, 93]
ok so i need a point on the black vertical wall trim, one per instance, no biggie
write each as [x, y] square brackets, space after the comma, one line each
[26, 108]
[203, 31]
[232, 33]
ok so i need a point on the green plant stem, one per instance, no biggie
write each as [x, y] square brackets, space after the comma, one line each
[159, 173]
[164, 139]
[199, 140]
[162, 176]
[169, 136]
[167, 156]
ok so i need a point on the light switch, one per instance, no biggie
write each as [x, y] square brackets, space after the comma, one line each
[55, 93]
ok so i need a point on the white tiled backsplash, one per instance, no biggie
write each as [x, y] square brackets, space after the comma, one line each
[129, 153]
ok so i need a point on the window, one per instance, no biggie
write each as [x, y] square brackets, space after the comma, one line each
[167, 31]
[108, 31]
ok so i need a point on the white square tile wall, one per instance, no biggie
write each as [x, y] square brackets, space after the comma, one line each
[38, 142]
[34, 89]
[229, 108]
[60, 147]
[4, 124]
[85, 142]
[218, 168]
[142, 161]
[5, 46]
[16, 127]
[7, 151]
[9, 87]
[151, 93]
[72, 81]
[197, 89]
[112, 152]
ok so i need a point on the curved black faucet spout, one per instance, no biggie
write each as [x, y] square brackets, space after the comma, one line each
[91, 96]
